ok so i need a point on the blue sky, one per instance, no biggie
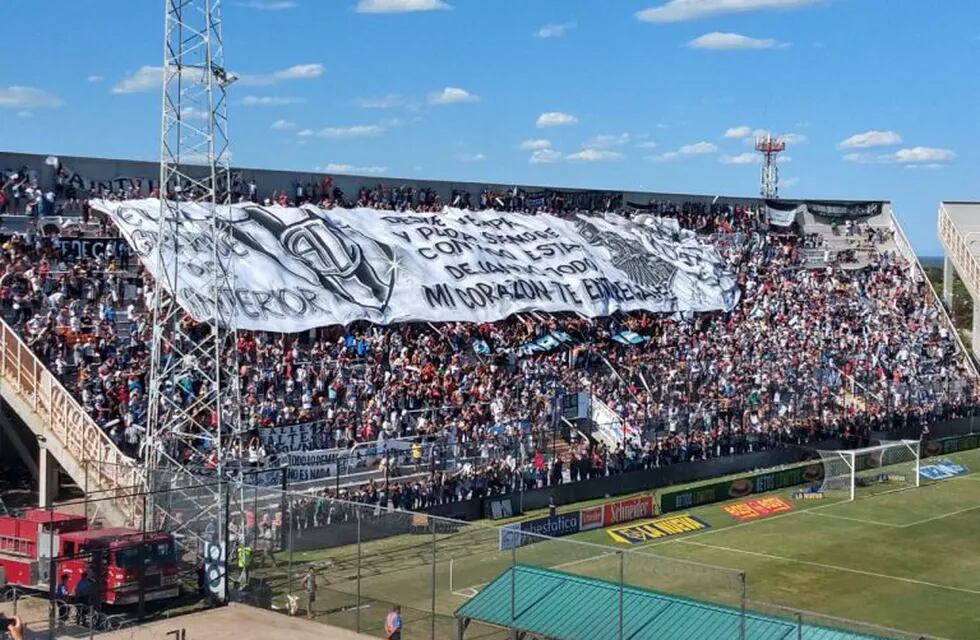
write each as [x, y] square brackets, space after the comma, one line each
[878, 98]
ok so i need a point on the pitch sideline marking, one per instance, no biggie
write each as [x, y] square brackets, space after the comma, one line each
[469, 592]
[862, 520]
[941, 516]
[831, 566]
[973, 475]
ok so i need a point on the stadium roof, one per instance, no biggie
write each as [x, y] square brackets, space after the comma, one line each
[965, 215]
[555, 604]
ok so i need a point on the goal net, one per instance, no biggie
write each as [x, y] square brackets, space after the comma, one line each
[886, 466]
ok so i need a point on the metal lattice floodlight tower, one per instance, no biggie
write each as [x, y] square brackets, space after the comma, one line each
[194, 398]
[770, 148]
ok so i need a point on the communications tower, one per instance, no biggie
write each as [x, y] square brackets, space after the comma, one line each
[193, 420]
[770, 148]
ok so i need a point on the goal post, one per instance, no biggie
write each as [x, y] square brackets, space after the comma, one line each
[886, 466]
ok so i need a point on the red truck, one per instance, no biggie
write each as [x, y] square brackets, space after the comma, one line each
[38, 541]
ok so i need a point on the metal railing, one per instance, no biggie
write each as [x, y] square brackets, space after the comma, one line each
[63, 417]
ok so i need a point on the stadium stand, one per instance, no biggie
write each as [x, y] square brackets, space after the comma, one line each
[836, 335]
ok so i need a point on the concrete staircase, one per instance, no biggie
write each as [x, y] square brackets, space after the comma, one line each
[835, 242]
[113, 482]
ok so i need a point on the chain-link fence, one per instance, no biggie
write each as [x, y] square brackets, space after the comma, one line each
[348, 564]
[341, 563]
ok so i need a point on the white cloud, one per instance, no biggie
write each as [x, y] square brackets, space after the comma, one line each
[270, 101]
[738, 133]
[743, 158]
[870, 139]
[268, 5]
[545, 156]
[94, 78]
[357, 131]
[607, 141]
[389, 101]
[594, 155]
[793, 138]
[555, 119]
[908, 156]
[554, 30]
[340, 167]
[750, 136]
[146, 78]
[684, 10]
[452, 95]
[193, 113]
[920, 155]
[283, 125]
[149, 78]
[471, 157]
[534, 144]
[300, 72]
[28, 98]
[717, 41]
[305, 71]
[306, 133]
[400, 6]
[697, 149]
[648, 144]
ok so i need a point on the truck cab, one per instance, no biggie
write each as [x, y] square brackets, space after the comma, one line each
[116, 561]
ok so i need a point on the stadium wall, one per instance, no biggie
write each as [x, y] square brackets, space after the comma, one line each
[87, 173]
[938, 430]
[763, 467]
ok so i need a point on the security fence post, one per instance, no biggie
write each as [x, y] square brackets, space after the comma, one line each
[141, 571]
[287, 526]
[513, 584]
[357, 512]
[741, 619]
[52, 570]
[799, 626]
[432, 521]
[226, 538]
[621, 588]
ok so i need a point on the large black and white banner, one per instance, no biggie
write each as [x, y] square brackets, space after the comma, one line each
[299, 268]
[844, 209]
[328, 463]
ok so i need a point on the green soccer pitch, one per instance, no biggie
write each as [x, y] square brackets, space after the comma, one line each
[906, 560]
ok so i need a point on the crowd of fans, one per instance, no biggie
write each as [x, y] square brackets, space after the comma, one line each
[809, 353]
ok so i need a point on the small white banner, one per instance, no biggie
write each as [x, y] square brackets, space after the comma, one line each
[300, 268]
[782, 215]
